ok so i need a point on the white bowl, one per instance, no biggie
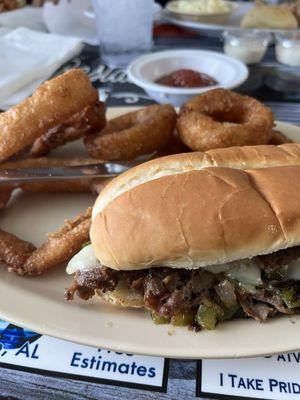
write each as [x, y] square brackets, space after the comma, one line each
[145, 70]
[207, 17]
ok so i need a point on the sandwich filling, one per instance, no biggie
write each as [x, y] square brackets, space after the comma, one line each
[260, 288]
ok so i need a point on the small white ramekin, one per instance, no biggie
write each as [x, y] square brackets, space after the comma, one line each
[145, 70]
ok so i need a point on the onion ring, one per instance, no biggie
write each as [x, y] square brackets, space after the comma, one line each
[174, 146]
[53, 103]
[14, 251]
[279, 138]
[221, 118]
[133, 134]
[23, 258]
[87, 121]
[5, 194]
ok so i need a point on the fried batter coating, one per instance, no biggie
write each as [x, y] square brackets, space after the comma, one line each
[174, 146]
[220, 118]
[72, 186]
[87, 121]
[278, 138]
[14, 251]
[133, 134]
[98, 184]
[53, 103]
[59, 247]
[8, 5]
[5, 194]
[22, 257]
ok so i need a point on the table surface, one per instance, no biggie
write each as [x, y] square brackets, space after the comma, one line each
[275, 85]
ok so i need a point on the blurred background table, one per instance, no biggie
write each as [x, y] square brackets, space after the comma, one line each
[276, 85]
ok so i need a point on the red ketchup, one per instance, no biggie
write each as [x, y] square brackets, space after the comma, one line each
[186, 78]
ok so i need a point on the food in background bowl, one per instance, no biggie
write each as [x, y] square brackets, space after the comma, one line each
[202, 6]
[269, 17]
[248, 46]
[186, 78]
[287, 48]
[214, 11]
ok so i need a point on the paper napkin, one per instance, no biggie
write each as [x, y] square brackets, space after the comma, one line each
[28, 58]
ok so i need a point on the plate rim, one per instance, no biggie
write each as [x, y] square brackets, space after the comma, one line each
[200, 26]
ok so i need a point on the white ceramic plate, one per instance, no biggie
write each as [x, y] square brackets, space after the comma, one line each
[38, 304]
[233, 21]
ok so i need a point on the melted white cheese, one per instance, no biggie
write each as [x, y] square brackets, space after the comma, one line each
[293, 271]
[244, 271]
[85, 259]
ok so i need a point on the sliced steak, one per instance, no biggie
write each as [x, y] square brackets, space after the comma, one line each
[87, 281]
[273, 262]
[169, 292]
[273, 299]
[257, 310]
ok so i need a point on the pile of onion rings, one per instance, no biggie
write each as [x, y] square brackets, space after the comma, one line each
[61, 110]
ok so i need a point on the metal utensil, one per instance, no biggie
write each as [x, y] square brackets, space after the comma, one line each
[103, 170]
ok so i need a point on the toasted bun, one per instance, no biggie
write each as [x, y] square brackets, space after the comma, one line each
[269, 16]
[199, 209]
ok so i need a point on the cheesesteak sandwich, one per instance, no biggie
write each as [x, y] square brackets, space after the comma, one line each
[198, 238]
